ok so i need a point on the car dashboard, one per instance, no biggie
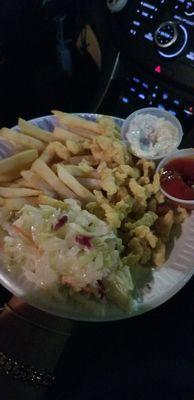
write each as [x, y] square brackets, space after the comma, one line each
[155, 41]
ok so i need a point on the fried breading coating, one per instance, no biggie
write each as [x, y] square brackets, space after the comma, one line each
[180, 215]
[152, 205]
[138, 191]
[122, 172]
[107, 178]
[159, 253]
[144, 232]
[112, 151]
[146, 166]
[148, 220]
[164, 225]
[154, 187]
[160, 198]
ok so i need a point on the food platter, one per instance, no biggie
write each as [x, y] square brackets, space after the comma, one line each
[166, 281]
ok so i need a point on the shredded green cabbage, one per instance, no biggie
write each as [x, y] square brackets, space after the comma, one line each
[71, 248]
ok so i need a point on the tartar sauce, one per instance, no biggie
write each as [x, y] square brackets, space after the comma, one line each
[151, 136]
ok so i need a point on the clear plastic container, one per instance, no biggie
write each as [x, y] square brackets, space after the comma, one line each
[143, 135]
[189, 204]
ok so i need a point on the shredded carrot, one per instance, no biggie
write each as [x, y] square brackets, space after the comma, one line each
[67, 281]
[88, 289]
[72, 283]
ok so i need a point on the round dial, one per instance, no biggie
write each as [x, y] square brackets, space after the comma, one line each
[171, 39]
[166, 34]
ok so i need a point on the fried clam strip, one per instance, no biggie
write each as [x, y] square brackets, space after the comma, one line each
[22, 140]
[42, 169]
[34, 131]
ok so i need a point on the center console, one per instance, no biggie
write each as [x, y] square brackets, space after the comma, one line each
[156, 43]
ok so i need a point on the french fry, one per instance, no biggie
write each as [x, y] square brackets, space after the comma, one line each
[35, 181]
[72, 183]
[17, 183]
[34, 131]
[90, 183]
[61, 151]
[72, 121]
[18, 192]
[42, 169]
[17, 161]
[62, 135]
[42, 199]
[93, 174]
[84, 133]
[22, 140]
[76, 171]
[15, 204]
[2, 201]
[48, 154]
[8, 178]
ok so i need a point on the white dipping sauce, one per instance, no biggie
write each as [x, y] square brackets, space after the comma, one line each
[151, 136]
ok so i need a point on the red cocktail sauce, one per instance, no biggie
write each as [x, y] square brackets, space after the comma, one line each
[177, 178]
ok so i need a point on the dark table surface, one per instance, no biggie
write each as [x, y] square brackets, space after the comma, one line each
[147, 357]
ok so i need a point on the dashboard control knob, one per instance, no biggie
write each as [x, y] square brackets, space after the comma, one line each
[116, 5]
[166, 34]
[171, 38]
[189, 8]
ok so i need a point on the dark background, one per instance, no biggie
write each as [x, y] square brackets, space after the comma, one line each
[150, 356]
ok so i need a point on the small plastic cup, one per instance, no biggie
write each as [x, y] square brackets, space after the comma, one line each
[189, 204]
[156, 112]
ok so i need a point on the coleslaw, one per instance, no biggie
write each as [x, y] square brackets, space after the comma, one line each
[69, 248]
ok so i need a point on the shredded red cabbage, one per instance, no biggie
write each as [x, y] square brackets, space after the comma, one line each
[84, 241]
[60, 222]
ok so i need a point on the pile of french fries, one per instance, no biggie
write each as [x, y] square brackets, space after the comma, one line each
[44, 169]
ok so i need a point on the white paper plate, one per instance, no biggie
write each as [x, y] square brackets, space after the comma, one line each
[167, 280]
